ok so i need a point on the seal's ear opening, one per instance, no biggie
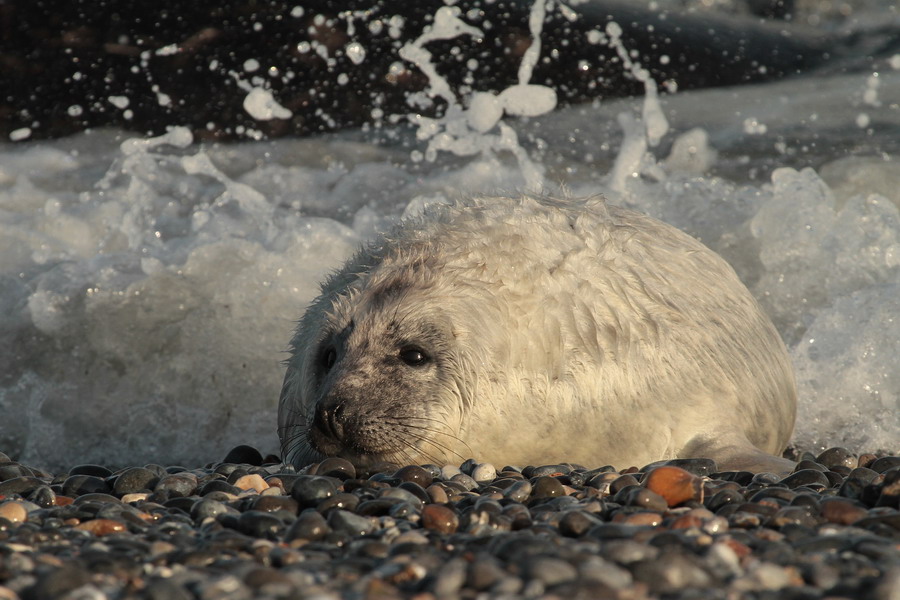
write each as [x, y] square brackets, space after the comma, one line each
[327, 357]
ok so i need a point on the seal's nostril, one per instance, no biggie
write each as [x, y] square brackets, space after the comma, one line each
[335, 421]
[329, 420]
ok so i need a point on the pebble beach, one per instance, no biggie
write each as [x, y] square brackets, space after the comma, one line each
[252, 527]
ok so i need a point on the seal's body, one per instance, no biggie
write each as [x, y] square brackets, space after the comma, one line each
[535, 331]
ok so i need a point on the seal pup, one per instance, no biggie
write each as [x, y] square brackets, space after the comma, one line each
[535, 330]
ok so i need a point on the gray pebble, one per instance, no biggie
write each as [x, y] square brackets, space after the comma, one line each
[484, 472]
[343, 521]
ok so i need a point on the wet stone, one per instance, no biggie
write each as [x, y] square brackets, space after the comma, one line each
[377, 506]
[417, 475]
[343, 521]
[450, 578]
[547, 471]
[806, 477]
[467, 483]
[12, 511]
[42, 496]
[550, 571]
[275, 504]
[135, 479]
[310, 490]
[518, 491]
[259, 524]
[88, 469]
[674, 484]
[177, 485]
[402, 494]
[723, 498]
[59, 582]
[546, 487]
[621, 482]
[341, 500]
[809, 464]
[76, 485]
[778, 495]
[336, 467]
[101, 527]
[310, 525]
[439, 518]
[219, 485]
[880, 465]
[207, 508]
[437, 494]
[855, 483]
[12, 470]
[889, 495]
[642, 498]
[243, 454]
[416, 490]
[670, 574]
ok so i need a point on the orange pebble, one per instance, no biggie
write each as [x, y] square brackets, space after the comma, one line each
[674, 484]
[251, 482]
[102, 526]
[13, 512]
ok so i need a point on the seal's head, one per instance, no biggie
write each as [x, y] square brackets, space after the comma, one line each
[378, 369]
[533, 331]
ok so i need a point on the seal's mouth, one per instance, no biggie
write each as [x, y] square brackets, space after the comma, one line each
[329, 437]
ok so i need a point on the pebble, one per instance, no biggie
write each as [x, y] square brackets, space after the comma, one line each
[484, 472]
[310, 526]
[14, 512]
[135, 479]
[675, 529]
[674, 484]
[340, 468]
[439, 518]
[251, 482]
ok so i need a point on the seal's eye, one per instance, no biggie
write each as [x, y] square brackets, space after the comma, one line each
[413, 356]
[328, 357]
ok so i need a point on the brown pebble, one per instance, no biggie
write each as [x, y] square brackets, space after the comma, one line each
[842, 512]
[438, 494]
[651, 519]
[13, 511]
[866, 459]
[439, 518]
[102, 526]
[251, 482]
[276, 482]
[686, 522]
[62, 500]
[675, 485]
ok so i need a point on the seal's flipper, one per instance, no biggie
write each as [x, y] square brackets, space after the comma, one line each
[735, 453]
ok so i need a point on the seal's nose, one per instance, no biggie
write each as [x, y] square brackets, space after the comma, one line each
[329, 420]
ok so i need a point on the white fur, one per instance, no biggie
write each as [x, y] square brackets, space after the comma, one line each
[581, 332]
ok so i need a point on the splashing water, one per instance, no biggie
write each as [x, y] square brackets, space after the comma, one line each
[149, 286]
[465, 131]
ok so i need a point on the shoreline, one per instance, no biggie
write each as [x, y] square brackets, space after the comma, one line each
[243, 528]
